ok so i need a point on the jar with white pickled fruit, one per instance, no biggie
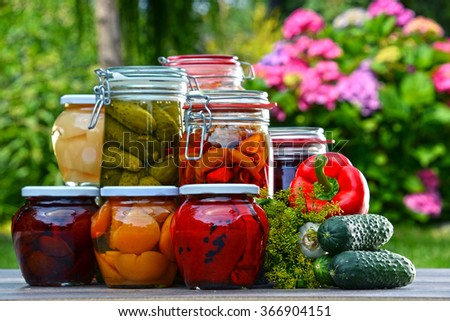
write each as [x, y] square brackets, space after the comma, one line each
[78, 150]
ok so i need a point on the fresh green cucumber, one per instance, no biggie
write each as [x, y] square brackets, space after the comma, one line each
[371, 270]
[321, 269]
[354, 232]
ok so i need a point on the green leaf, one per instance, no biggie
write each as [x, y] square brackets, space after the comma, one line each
[393, 106]
[424, 57]
[417, 89]
[439, 113]
[425, 155]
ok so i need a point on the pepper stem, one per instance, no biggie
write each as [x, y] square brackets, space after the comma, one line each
[326, 187]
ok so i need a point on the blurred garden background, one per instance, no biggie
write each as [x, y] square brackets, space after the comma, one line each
[374, 74]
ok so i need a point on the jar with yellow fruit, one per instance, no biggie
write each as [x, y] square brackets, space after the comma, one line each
[131, 236]
[77, 149]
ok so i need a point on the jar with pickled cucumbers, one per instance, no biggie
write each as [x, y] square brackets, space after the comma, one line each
[51, 235]
[219, 236]
[131, 236]
[213, 72]
[143, 124]
[291, 146]
[226, 138]
[78, 151]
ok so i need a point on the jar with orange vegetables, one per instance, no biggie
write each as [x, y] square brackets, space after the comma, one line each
[226, 138]
[219, 235]
[51, 235]
[131, 236]
[77, 149]
[213, 72]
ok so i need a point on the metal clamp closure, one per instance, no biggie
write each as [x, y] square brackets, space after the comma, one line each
[250, 70]
[191, 124]
[102, 96]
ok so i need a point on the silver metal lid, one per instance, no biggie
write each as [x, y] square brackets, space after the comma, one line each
[198, 189]
[136, 191]
[60, 191]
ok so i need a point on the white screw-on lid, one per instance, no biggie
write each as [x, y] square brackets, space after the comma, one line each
[56, 191]
[77, 99]
[195, 189]
[139, 191]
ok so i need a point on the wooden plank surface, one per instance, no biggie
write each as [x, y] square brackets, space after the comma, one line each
[430, 284]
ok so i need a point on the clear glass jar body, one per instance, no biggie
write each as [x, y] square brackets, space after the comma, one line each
[232, 148]
[219, 236]
[131, 236]
[143, 124]
[52, 242]
[290, 147]
[77, 149]
[213, 72]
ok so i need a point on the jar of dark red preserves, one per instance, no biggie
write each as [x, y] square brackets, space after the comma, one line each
[290, 147]
[219, 236]
[226, 138]
[131, 236]
[51, 235]
[213, 72]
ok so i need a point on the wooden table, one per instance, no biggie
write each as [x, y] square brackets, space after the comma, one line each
[430, 284]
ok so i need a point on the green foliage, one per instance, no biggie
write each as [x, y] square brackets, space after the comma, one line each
[46, 53]
[285, 264]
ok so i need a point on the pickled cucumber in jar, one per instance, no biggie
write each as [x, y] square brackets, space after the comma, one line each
[140, 137]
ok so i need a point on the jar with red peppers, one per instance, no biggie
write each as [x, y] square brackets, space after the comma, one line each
[219, 236]
[226, 138]
[291, 146]
[213, 72]
[131, 236]
[51, 235]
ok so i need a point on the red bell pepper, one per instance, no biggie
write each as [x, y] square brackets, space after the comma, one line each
[331, 177]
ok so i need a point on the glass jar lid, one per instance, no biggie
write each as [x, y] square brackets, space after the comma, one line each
[198, 189]
[77, 99]
[229, 98]
[60, 191]
[198, 59]
[134, 191]
[297, 136]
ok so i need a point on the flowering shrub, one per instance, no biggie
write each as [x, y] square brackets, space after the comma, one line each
[378, 81]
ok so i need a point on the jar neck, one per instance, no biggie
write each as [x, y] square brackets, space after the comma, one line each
[60, 200]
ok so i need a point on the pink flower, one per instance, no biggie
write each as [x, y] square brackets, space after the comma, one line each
[302, 21]
[428, 203]
[318, 86]
[429, 179]
[423, 26]
[441, 78]
[443, 46]
[391, 8]
[325, 48]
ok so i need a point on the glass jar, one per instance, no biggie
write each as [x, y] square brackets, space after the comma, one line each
[291, 146]
[213, 72]
[131, 236]
[51, 235]
[219, 236]
[143, 122]
[226, 138]
[78, 151]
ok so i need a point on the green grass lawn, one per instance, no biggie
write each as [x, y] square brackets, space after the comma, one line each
[425, 246]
